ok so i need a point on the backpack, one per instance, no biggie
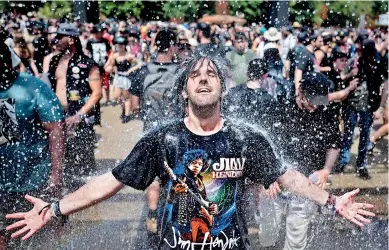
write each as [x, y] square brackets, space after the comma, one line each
[158, 94]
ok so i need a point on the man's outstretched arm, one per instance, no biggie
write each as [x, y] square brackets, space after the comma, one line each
[297, 183]
[95, 191]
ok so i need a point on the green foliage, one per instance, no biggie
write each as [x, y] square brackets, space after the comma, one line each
[121, 9]
[304, 12]
[180, 9]
[251, 9]
[380, 7]
[341, 12]
[56, 9]
[5, 7]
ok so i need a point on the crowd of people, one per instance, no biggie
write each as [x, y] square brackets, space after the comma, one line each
[226, 86]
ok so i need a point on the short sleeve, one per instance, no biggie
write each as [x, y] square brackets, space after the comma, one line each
[142, 165]
[47, 105]
[301, 61]
[262, 165]
[137, 80]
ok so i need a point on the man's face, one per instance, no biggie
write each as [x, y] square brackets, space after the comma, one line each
[340, 64]
[203, 87]
[319, 42]
[98, 35]
[196, 166]
[240, 46]
[63, 43]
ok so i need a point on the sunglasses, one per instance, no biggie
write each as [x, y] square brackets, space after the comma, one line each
[183, 46]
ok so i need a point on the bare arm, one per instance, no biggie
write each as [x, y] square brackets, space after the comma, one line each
[95, 85]
[297, 183]
[110, 64]
[287, 69]
[57, 151]
[342, 94]
[138, 64]
[95, 191]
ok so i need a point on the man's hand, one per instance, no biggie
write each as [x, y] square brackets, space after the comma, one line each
[213, 209]
[181, 188]
[322, 176]
[272, 191]
[378, 113]
[30, 222]
[72, 122]
[299, 101]
[354, 84]
[353, 211]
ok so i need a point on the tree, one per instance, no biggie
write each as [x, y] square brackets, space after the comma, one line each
[250, 10]
[57, 9]
[121, 9]
[184, 10]
[342, 13]
[5, 7]
[304, 12]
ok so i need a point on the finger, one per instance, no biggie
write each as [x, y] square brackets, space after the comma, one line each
[25, 237]
[354, 192]
[32, 199]
[16, 225]
[21, 231]
[365, 205]
[365, 213]
[277, 187]
[362, 219]
[353, 220]
[15, 216]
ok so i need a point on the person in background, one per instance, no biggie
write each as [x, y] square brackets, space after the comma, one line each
[122, 64]
[32, 142]
[98, 48]
[240, 58]
[22, 51]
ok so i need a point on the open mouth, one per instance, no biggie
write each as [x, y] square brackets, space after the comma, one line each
[203, 90]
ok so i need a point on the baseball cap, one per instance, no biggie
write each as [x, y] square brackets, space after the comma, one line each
[315, 86]
[336, 54]
[67, 29]
[121, 40]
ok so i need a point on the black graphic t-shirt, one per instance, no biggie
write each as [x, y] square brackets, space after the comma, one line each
[99, 51]
[214, 169]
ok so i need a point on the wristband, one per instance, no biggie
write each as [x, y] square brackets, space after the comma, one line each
[330, 204]
[82, 116]
[56, 211]
[381, 110]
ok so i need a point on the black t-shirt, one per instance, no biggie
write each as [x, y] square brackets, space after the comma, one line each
[227, 158]
[251, 105]
[300, 137]
[99, 51]
[305, 60]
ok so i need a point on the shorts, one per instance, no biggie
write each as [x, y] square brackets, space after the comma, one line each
[105, 78]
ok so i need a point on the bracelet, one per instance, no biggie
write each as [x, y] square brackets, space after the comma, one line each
[381, 110]
[43, 208]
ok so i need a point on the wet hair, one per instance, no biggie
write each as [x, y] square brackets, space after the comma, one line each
[78, 44]
[165, 39]
[240, 36]
[193, 155]
[368, 49]
[210, 53]
[205, 28]
[257, 68]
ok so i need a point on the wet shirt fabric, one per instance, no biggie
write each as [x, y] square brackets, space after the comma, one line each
[24, 144]
[306, 61]
[288, 128]
[227, 158]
